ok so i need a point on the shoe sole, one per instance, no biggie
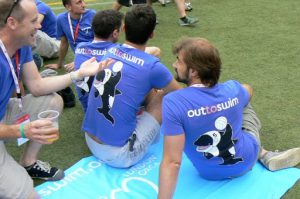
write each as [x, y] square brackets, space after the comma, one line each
[57, 176]
[285, 160]
[191, 24]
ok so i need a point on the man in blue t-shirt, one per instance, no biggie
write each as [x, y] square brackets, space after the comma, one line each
[106, 26]
[46, 44]
[73, 27]
[212, 123]
[19, 116]
[117, 132]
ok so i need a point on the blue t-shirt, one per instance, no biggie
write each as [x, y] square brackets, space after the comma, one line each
[83, 52]
[49, 21]
[7, 85]
[85, 33]
[211, 119]
[118, 92]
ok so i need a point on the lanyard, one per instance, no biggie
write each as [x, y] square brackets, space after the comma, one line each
[13, 72]
[74, 35]
[17, 56]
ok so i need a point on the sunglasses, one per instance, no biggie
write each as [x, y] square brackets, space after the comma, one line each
[11, 9]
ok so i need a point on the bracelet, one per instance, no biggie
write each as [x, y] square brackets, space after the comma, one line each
[74, 76]
[22, 131]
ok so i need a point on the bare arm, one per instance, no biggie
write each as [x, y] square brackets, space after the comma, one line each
[170, 165]
[42, 86]
[40, 18]
[63, 50]
[172, 86]
[249, 89]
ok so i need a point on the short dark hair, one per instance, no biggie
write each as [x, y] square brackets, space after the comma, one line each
[65, 2]
[140, 23]
[5, 8]
[201, 55]
[105, 22]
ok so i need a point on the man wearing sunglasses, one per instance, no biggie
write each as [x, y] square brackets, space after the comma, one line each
[18, 116]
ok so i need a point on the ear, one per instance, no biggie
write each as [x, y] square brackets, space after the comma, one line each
[193, 72]
[12, 23]
[152, 35]
[115, 34]
[68, 7]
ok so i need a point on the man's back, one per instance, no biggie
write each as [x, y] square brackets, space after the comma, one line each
[83, 52]
[119, 91]
[211, 119]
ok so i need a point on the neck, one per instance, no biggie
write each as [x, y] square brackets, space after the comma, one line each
[74, 15]
[10, 44]
[194, 81]
[137, 46]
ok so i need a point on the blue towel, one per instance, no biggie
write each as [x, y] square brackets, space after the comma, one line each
[90, 179]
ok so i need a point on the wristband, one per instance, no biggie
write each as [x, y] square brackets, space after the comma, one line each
[22, 131]
[74, 76]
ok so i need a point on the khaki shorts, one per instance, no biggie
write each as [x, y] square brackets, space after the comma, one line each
[15, 183]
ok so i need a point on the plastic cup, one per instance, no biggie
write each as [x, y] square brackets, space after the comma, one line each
[51, 115]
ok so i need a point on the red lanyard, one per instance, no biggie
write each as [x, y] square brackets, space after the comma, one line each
[74, 34]
[18, 68]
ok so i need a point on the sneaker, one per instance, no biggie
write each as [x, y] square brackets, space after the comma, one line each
[164, 2]
[68, 97]
[188, 21]
[44, 171]
[188, 7]
[38, 60]
[280, 160]
[48, 72]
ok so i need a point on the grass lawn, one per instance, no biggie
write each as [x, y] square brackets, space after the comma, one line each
[259, 44]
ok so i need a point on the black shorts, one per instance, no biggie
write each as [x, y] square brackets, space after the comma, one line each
[126, 2]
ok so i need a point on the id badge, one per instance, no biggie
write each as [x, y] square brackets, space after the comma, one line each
[22, 118]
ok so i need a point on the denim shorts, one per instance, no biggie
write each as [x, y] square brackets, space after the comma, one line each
[146, 133]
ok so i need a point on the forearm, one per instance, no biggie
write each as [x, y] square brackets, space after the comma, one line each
[9, 131]
[167, 179]
[63, 50]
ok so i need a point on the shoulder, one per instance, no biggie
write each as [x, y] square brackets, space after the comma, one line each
[62, 16]
[90, 13]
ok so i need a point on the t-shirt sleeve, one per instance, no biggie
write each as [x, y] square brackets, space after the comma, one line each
[42, 9]
[171, 121]
[26, 54]
[160, 76]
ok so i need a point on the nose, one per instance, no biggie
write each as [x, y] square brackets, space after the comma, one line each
[83, 4]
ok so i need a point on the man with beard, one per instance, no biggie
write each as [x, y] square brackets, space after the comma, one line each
[212, 122]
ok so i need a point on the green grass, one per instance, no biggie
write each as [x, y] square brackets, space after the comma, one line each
[259, 44]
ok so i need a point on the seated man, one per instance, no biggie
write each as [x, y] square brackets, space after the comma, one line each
[213, 123]
[46, 44]
[115, 133]
[16, 61]
[73, 27]
[106, 26]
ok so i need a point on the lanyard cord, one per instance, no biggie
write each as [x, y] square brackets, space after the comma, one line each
[74, 35]
[13, 72]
